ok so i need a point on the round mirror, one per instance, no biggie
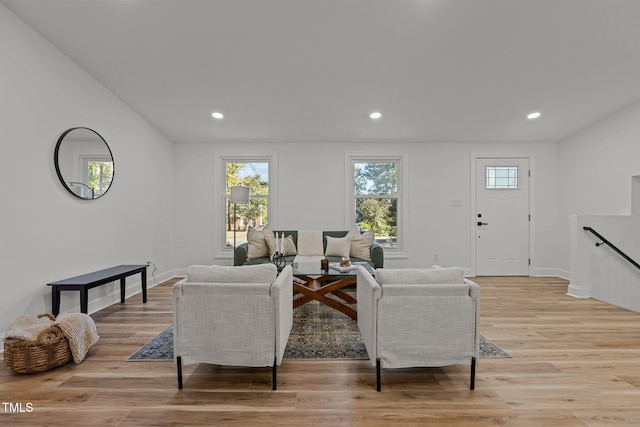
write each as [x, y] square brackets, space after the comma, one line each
[84, 163]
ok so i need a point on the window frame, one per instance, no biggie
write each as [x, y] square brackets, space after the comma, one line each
[220, 186]
[401, 194]
[497, 180]
[85, 160]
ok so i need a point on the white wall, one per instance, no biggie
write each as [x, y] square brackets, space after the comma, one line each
[311, 195]
[596, 166]
[46, 234]
[597, 271]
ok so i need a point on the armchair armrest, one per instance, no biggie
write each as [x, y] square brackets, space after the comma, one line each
[474, 290]
[281, 292]
[369, 292]
[240, 254]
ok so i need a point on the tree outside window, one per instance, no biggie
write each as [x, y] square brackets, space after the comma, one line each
[99, 175]
[254, 175]
[376, 199]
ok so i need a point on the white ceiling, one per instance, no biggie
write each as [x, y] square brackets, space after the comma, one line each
[312, 70]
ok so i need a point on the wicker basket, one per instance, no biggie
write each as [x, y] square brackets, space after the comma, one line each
[50, 350]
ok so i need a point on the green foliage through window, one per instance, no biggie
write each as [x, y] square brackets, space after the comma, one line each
[100, 174]
[254, 175]
[376, 199]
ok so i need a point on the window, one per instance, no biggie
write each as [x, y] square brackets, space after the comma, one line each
[375, 202]
[255, 175]
[501, 177]
[99, 172]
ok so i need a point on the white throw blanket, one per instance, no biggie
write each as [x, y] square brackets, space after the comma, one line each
[27, 328]
[78, 328]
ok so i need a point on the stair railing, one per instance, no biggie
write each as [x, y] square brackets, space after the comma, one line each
[611, 245]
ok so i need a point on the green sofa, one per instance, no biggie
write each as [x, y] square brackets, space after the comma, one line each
[241, 252]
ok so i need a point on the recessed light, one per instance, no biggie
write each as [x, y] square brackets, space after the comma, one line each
[534, 115]
[217, 115]
[375, 115]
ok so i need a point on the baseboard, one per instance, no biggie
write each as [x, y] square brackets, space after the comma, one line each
[578, 291]
[547, 272]
[563, 274]
[133, 288]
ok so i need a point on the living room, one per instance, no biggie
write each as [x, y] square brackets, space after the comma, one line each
[166, 200]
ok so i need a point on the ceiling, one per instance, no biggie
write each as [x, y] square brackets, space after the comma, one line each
[313, 70]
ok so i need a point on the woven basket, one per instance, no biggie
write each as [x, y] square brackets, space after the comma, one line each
[50, 350]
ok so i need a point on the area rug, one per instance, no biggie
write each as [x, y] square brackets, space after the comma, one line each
[319, 332]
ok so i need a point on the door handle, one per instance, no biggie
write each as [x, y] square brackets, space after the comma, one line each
[482, 223]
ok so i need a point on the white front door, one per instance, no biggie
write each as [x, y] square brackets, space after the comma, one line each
[502, 216]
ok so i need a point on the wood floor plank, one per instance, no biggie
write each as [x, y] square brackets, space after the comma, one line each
[574, 362]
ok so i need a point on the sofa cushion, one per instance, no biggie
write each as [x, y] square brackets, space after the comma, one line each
[260, 273]
[338, 246]
[257, 243]
[360, 245]
[415, 276]
[310, 243]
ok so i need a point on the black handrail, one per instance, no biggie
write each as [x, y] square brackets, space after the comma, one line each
[611, 245]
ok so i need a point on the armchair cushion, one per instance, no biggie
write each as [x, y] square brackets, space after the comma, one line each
[409, 276]
[259, 273]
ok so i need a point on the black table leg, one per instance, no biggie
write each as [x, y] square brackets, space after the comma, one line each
[122, 289]
[84, 300]
[55, 300]
[144, 285]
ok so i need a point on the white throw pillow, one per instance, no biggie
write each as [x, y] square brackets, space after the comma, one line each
[338, 246]
[415, 276]
[310, 243]
[257, 244]
[290, 246]
[361, 245]
[354, 232]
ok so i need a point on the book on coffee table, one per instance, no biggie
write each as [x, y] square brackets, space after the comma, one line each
[342, 269]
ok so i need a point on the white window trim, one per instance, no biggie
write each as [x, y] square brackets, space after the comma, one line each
[403, 191]
[219, 181]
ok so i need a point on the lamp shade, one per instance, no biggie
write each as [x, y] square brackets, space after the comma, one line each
[239, 195]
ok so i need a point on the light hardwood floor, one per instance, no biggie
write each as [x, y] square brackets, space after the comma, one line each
[575, 362]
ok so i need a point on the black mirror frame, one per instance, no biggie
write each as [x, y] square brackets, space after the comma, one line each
[57, 164]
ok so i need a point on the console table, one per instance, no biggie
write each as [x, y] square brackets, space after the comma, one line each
[91, 280]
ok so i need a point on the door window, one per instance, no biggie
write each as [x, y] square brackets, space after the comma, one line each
[501, 177]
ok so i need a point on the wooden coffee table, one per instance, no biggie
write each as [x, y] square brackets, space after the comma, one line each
[318, 285]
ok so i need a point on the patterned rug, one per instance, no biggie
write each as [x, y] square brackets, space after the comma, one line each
[319, 332]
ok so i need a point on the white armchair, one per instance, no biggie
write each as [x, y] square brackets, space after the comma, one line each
[413, 318]
[238, 316]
